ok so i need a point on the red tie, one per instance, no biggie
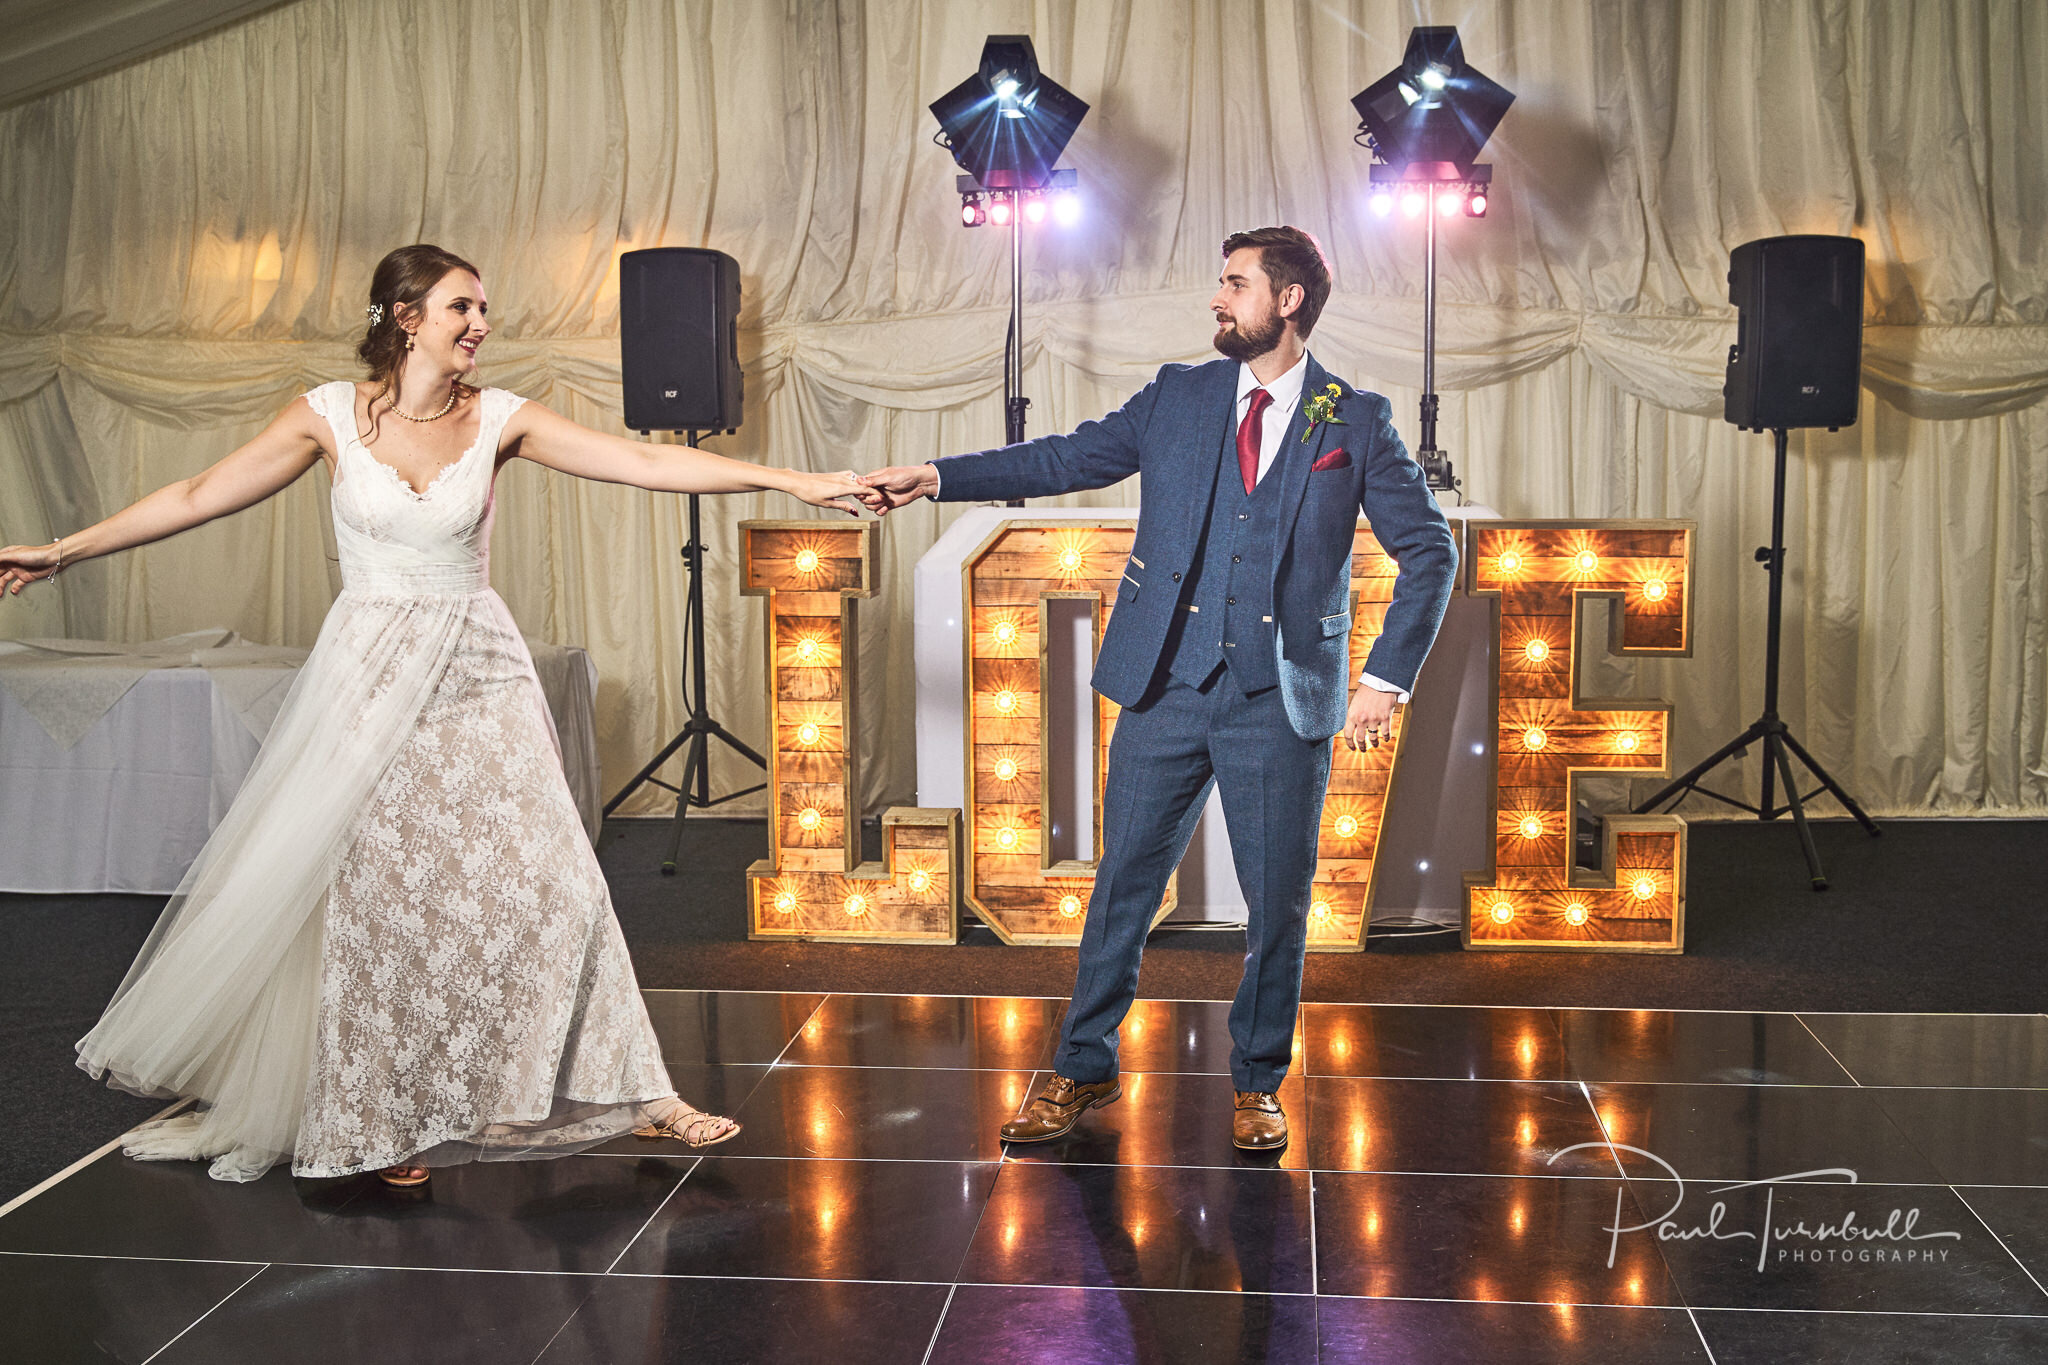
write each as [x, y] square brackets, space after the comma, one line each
[1248, 439]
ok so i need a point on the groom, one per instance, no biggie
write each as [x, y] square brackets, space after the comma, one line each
[1227, 646]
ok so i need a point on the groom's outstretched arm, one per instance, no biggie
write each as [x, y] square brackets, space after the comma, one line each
[1094, 455]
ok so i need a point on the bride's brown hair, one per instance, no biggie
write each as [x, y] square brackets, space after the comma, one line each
[402, 280]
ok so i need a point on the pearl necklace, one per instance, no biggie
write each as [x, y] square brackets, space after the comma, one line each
[446, 407]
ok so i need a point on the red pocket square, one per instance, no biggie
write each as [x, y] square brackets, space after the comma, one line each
[1335, 459]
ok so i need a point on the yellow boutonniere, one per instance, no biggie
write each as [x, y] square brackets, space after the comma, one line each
[1320, 408]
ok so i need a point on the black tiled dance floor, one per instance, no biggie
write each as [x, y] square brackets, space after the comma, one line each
[1464, 1184]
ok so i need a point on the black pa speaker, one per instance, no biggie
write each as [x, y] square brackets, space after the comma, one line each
[679, 339]
[1797, 360]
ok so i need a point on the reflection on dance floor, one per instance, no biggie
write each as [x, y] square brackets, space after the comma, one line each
[1463, 1184]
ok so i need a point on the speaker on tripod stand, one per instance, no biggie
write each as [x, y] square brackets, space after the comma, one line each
[679, 363]
[1797, 362]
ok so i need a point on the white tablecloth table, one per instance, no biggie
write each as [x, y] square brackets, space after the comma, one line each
[117, 760]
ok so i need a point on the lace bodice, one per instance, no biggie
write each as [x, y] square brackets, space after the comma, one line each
[393, 540]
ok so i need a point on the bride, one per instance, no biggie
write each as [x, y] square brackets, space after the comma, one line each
[397, 951]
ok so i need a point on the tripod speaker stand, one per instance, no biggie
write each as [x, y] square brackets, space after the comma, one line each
[699, 726]
[1769, 729]
[1797, 362]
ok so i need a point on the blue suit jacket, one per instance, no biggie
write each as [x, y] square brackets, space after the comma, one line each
[1173, 432]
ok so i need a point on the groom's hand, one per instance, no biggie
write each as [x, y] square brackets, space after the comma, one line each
[898, 486]
[1371, 718]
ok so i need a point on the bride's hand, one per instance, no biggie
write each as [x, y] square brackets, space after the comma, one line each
[841, 489]
[21, 565]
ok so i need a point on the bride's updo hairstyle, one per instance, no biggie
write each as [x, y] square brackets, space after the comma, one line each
[402, 280]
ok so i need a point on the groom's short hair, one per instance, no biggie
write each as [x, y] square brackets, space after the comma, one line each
[1289, 256]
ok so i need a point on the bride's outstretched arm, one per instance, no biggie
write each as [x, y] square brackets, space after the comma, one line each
[553, 440]
[287, 448]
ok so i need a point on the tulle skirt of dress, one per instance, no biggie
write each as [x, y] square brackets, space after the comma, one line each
[398, 945]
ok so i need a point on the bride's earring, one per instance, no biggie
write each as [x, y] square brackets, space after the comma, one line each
[408, 341]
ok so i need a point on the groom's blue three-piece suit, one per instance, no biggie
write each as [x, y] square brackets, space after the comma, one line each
[1228, 651]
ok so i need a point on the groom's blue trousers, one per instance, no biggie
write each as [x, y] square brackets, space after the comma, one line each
[1164, 756]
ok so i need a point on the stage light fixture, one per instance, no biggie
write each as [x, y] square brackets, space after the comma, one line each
[1007, 124]
[1434, 107]
[972, 212]
[1382, 203]
[1425, 122]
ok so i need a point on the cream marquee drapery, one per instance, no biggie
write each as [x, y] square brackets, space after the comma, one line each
[185, 244]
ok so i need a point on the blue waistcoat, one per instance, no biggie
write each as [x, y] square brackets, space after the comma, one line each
[1230, 583]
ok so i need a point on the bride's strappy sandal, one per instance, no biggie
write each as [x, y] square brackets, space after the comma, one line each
[694, 1128]
[403, 1177]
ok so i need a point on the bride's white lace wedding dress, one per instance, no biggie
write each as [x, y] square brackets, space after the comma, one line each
[398, 946]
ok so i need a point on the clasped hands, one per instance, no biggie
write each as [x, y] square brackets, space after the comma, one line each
[885, 490]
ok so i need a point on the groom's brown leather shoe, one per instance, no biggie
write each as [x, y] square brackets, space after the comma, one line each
[1260, 1124]
[1054, 1108]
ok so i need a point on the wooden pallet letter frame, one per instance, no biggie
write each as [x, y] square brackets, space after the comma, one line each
[813, 885]
[1547, 736]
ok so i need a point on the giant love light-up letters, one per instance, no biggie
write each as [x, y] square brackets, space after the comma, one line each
[1548, 736]
[813, 885]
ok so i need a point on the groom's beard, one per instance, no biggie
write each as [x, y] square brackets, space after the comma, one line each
[1250, 340]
